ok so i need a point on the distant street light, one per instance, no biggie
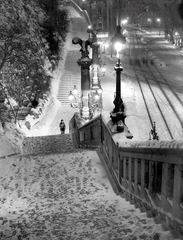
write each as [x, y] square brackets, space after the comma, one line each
[103, 69]
[83, 3]
[149, 20]
[123, 22]
[159, 22]
[117, 115]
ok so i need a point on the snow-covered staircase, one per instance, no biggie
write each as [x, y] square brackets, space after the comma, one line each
[71, 77]
[47, 144]
[72, 71]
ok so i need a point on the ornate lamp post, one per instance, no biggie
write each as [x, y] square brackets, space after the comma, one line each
[96, 90]
[84, 62]
[95, 61]
[117, 115]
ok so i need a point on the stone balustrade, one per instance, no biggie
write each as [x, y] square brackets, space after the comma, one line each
[151, 178]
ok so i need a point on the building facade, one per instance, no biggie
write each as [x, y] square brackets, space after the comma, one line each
[105, 15]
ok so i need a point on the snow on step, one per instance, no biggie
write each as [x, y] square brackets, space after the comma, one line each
[47, 144]
[71, 77]
[67, 196]
[72, 71]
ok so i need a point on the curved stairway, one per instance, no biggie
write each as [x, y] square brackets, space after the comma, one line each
[69, 195]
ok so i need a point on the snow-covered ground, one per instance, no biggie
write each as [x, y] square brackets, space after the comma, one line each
[137, 120]
[69, 196]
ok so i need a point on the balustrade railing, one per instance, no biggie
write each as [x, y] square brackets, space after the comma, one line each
[152, 178]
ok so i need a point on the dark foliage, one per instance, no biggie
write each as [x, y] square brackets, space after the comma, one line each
[180, 10]
[35, 103]
[55, 26]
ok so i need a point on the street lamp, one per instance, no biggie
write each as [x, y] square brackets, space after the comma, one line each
[159, 22]
[83, 3]
[117, 115]
[149, 20]
[96, 90]
[75, 98]
[89, 94]
[123, 22]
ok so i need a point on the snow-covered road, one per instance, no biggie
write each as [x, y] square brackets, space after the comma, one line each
[158, 83]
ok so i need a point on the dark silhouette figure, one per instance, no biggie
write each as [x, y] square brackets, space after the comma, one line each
[62, 126]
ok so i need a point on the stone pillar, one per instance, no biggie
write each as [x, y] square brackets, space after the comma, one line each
[137, 174]
[95, 61]
[178, 192]
[143, 173]
[131, 174]
[167, 187]
[85, 63]
[120, 169]
[124, 171]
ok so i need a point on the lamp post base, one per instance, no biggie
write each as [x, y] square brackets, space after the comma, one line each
[118, 118]
[117, 115]
[85, 113]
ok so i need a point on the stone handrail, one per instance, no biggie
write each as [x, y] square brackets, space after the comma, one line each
[151, 178]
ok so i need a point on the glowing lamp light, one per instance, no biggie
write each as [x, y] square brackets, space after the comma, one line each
[124, 21]
[99, 42]
[96, 96]
[99, 91]
[118, 46]
[71, 97]
[106, 45]
[103, 69]
[75, 91]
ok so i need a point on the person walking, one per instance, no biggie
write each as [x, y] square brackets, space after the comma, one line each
[62, 126]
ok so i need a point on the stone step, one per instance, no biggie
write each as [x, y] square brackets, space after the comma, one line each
[47, 144]
[70, 78]
[72, 71]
